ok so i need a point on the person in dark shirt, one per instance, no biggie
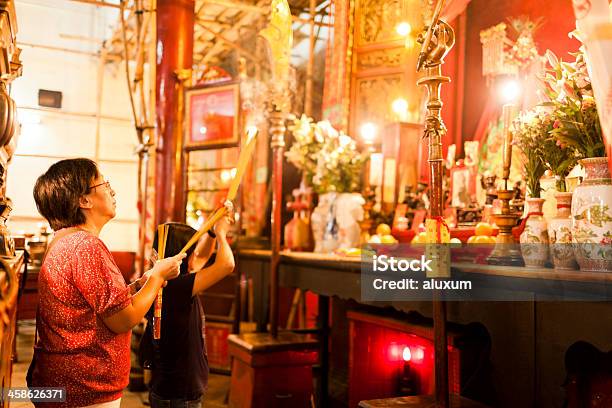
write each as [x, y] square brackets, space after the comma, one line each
[178, 360]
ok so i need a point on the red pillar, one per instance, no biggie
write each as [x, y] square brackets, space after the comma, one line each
[174, 48]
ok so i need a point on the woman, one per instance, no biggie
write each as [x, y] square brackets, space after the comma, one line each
[178, 359]
[86, 311]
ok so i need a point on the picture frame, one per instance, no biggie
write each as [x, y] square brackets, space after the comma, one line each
[212, 116]
[460, 186]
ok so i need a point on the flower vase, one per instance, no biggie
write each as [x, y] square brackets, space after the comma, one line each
[349, 213]
[320, 219]
[592, 217]
[297, 234]
[335, 221]
[560, 234]
[534, 238]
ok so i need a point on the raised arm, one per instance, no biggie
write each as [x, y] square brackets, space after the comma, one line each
[224, 261]
[202, 252]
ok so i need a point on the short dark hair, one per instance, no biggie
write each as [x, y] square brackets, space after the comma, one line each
[58, 190]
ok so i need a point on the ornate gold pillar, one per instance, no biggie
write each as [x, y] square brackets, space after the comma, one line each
[277, 142]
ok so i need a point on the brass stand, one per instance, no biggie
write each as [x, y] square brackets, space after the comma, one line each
[277, 141]
[506, 252]
[436, 41]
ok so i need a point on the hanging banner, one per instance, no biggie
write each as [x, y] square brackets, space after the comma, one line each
[336, 92]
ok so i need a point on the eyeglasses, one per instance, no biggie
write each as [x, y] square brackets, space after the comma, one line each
[105, 183]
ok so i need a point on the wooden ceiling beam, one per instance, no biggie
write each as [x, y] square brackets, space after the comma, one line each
[114, 45]
[218, 16]
[239, 6]
[256, 9]
[98, 3]
[233, 44]
[202, 21]
[307, 21]
[245, 19]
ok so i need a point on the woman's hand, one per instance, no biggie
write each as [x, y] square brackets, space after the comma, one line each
[168, 268]
[224, 224]
[128, 317]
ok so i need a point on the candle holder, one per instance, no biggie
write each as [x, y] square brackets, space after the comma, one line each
[506, 251]
[367, 223]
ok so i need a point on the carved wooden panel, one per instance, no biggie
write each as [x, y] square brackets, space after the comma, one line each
[374, 97]
[376, 21]
[381, 58]
[383, 67]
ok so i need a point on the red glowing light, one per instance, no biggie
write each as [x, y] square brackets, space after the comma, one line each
[418, 354]
[394, 352]
[406, 355]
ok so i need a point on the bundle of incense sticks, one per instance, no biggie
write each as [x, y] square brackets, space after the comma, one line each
[162, 236]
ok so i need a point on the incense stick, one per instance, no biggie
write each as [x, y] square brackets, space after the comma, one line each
[162, 236]
[245, 154]
[208, 224]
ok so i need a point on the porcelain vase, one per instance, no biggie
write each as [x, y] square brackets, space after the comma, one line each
[560, 234]
[349, 214]
[534, 238]
[592, 217]
[335, 221]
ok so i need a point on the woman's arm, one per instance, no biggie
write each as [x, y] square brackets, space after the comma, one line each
[224, 261]
[130, 316]
[136, 285]
[202, 253]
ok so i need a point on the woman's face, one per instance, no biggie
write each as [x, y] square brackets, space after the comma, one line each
[102, 197]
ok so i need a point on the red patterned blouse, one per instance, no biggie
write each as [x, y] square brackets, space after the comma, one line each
[79, 285]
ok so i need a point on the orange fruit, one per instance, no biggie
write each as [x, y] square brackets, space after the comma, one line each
[455, 242]
[420, 238]
[374, 239]
[484, 228]
[353, 252]
[482, 239]
[472, 239]
[383, 229]
[387, 239]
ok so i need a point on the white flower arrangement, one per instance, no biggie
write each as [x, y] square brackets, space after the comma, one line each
[328, 159]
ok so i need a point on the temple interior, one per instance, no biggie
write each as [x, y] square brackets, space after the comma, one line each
[306, 203]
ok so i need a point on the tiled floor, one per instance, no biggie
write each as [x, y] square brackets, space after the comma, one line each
[218, 385]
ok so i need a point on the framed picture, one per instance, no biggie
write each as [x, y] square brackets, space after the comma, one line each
[212, 116]
[460, 182]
